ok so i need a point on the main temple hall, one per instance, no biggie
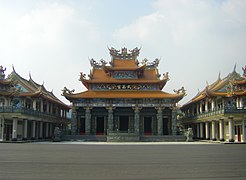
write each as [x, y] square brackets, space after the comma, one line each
[124, 100]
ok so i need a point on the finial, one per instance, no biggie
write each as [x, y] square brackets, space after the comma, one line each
[235, 66]
[13, 67]
[207, 83]
[219, 76]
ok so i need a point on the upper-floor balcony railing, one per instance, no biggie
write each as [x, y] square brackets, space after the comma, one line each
[31, 112]
[220, 111]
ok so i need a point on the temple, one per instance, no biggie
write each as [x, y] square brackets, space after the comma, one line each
[27, 110]
[218, 112]
[124, 100]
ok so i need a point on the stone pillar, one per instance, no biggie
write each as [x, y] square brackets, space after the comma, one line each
[212, 105]
[197, 109]
[174, 121]
[110, 119]
[41, 105]
[1, 128]
[74, 122]
[243, 130]
[200, 107]
[201, 131]
[213, 130]
[34, 104]
[47, 130]
[51, 130]
[33, 130]
[206, 105]
[87, 121]
[24, 129]
[160, 122]
[198, 130]
[231, 130]
[221, 127]
[41, 130]
[14, 131]
[207, 130]
[136, 120]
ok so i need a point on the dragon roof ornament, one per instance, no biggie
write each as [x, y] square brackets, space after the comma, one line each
[124, 53]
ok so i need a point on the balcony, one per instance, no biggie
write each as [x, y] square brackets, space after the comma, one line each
[217, 112]
[30, 112]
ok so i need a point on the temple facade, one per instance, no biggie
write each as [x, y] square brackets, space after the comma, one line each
[27, 110]
[124, 100]
[219, 111]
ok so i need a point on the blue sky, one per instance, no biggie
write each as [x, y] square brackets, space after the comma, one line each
[53, 39]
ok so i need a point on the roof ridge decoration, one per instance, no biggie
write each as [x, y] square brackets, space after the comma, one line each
[2, 74]
[97, 65]
[151, 65]
[124, 54]
[244, 71]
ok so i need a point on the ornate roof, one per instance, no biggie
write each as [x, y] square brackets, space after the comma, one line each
[232, 85]
[20, 87]
[124, 77]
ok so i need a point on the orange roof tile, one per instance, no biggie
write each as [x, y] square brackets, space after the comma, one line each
[124, 94]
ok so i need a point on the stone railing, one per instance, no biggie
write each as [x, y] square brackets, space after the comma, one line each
[31, 112]
[221, 111]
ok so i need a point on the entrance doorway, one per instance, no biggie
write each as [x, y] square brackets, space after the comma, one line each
[8, 131]
[123, 123]
[100, 125]
[82, 126]
[147, 125]
[165, 126]
[238, 132]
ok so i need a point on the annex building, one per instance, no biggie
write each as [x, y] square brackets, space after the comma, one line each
[219, 111]
[27, 110]
[124, 100]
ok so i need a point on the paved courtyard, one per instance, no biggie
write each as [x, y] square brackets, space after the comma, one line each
[122, 161]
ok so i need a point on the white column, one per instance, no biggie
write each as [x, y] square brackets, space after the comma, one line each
[14, 132]
[213, 131]
[241, 102]
[197, 109]
[212, 105]
[221, 125]
[201, 107]
[41, 130]
[25, 129]
[207, 130]
[198, 130]
[34, 103]
[33, 129]
[201, 131]
[231, 130]
[243, 130]
[206, 105]
[1, 129]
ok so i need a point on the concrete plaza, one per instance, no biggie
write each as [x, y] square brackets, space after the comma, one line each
[122, 161]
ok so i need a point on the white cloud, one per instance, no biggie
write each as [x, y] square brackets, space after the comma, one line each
[196, 39]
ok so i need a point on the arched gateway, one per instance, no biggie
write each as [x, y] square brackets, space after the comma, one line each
[124, 100]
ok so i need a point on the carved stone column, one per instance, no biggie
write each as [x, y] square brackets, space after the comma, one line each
[87, 120]
[207, 130]
[159, 122]
[213, 130]
[74, 122]
[136, 120]
[14, 131]
[110, 119]
[174, 121]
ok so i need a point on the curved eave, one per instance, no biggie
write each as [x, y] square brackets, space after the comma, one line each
[240, 81]
[226, 94]
[124, 94]
[5, 82]
[45, 96]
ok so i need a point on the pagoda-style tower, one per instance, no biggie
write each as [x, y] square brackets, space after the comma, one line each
[124, 99]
